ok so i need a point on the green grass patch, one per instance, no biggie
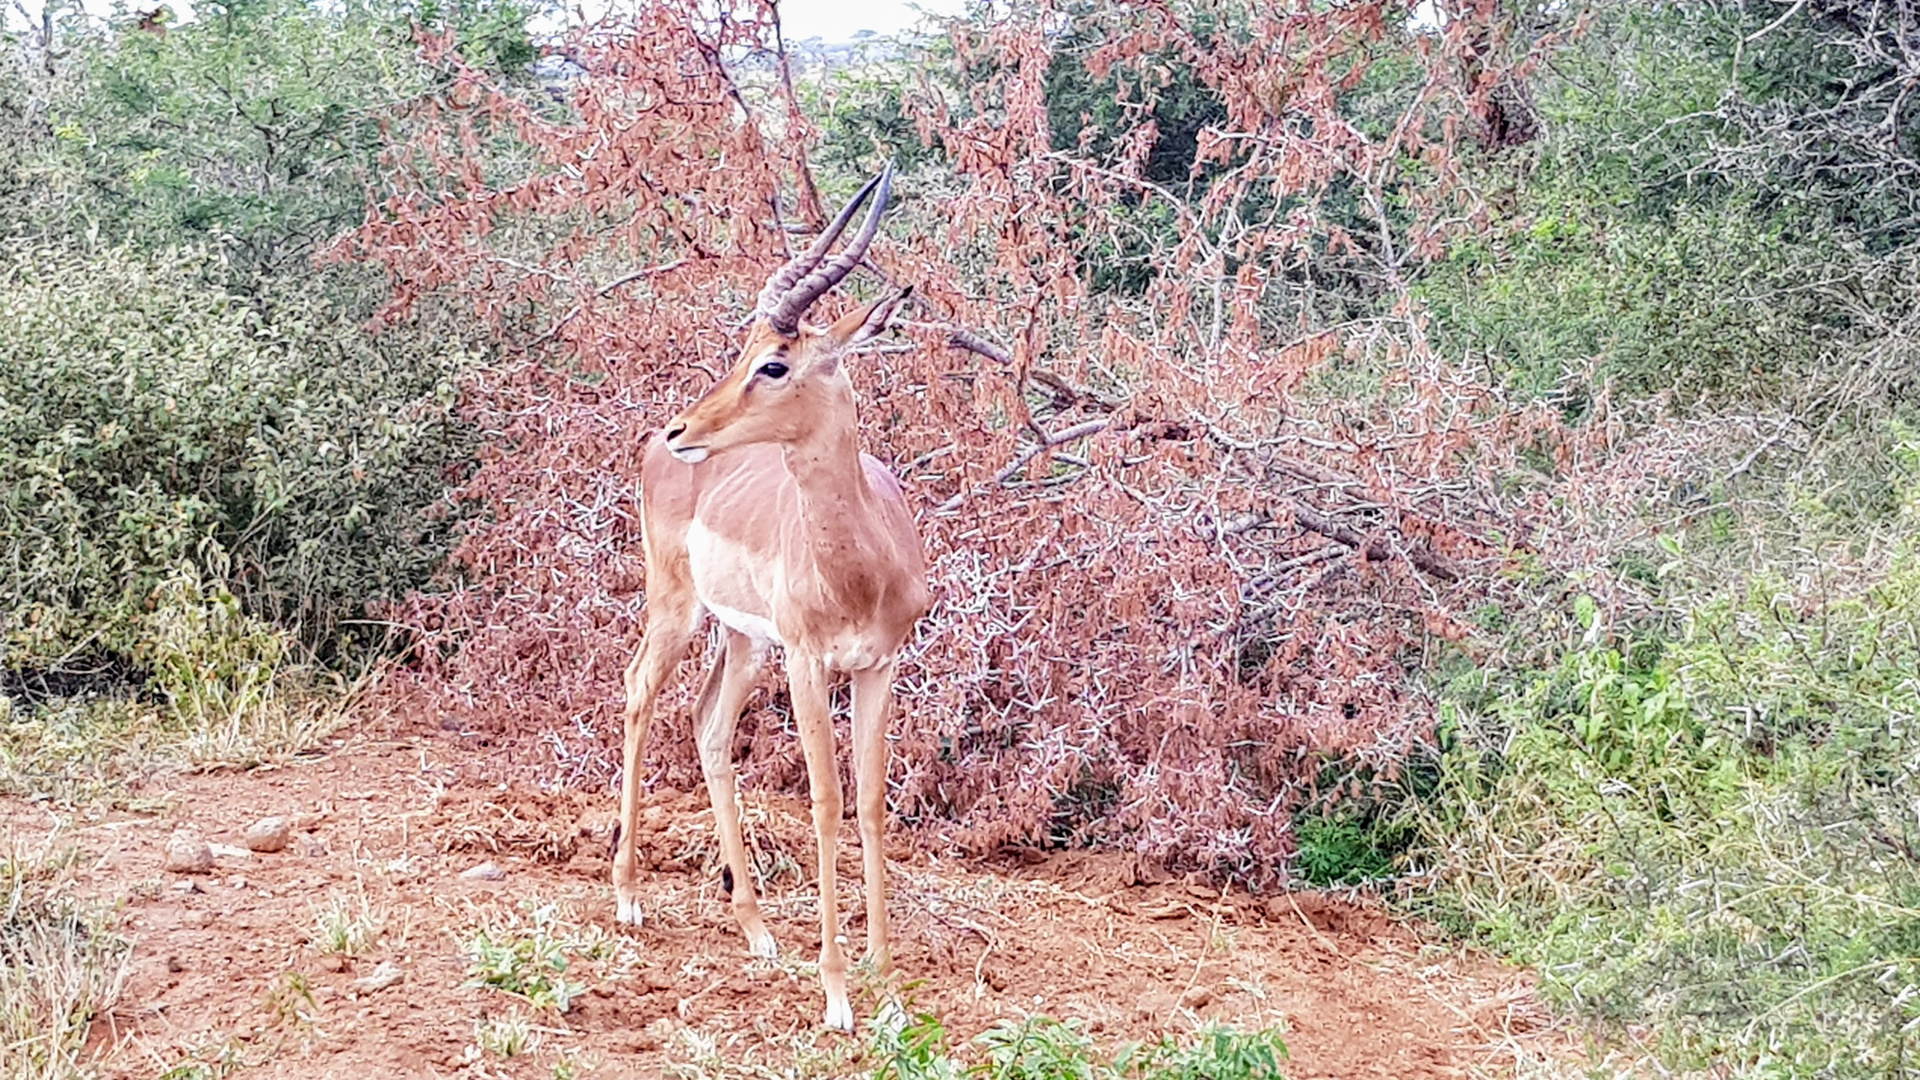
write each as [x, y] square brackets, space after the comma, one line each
[528, 958]
[909, 1046]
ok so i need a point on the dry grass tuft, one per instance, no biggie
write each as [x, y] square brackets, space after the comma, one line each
[79, 751]
[61, 964]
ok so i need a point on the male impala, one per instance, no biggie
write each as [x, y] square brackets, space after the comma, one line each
[758, 506]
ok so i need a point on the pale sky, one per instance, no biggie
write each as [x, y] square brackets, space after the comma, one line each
[838, 20]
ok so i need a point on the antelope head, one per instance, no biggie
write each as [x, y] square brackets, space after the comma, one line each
[788, 382]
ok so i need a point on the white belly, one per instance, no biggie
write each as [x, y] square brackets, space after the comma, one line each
[758, 627]
[725, 577]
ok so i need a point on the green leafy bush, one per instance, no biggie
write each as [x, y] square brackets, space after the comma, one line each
[1712, 834]
[255, 129]
[1715, 301]
[168, 453]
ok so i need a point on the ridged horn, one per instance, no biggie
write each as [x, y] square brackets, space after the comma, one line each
[810, 275]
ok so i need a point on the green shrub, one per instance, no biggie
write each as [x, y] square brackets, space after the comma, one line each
[169, 453]
[1714, 835]
[255, 128]
[1347, 847]
[1713, 301]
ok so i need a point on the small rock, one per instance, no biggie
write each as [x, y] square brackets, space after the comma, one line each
[187, 854]
[199, 920]
[636, 1042]
[1158, 1005]
[268, 835]
[387, 974]
[236, 882]
[186, 885]
[229, 851]
[333, 962]
[486, 871]
[1196, 997]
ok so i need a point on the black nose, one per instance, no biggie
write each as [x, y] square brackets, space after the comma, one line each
[676, 431]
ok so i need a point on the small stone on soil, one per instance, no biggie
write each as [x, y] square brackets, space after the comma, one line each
[486, 871]
[387, 974]
[229, 851]
[269, 834]
[1158, 1004]
[187, 854]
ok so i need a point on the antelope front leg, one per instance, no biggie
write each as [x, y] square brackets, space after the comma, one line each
[668, 634]
[807, 686]
[872, 705]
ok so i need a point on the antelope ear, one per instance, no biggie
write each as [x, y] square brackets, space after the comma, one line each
[864, 323]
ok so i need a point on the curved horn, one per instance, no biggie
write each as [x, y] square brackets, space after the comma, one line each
[798, 266]
[797, 293]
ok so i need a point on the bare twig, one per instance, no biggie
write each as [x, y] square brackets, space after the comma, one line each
[602, 291]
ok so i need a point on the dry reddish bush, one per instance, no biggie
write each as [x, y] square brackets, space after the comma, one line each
[1174, 572]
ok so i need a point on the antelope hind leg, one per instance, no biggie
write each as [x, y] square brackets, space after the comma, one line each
[717, 714]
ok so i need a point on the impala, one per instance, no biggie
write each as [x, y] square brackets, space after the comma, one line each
[758, 507]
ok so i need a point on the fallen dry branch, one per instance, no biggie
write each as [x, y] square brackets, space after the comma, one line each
[1376, 548]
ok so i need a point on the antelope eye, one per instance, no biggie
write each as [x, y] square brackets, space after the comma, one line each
[773, 369]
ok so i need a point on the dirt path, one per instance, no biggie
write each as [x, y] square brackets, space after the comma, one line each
[234, 967]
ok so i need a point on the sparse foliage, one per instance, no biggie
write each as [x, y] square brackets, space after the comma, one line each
[528, 962]
[915, 1047]
[345, 928]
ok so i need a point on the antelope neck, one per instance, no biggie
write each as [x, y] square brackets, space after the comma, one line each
[834, 496]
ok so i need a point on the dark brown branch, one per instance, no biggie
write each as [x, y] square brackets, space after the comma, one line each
[1423, 558]
[809, 202]
[972, 342]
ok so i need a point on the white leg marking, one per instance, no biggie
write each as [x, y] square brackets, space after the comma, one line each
[629, 912]
[840, 1014]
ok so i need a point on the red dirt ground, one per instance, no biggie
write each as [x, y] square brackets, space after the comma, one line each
[386, 825]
